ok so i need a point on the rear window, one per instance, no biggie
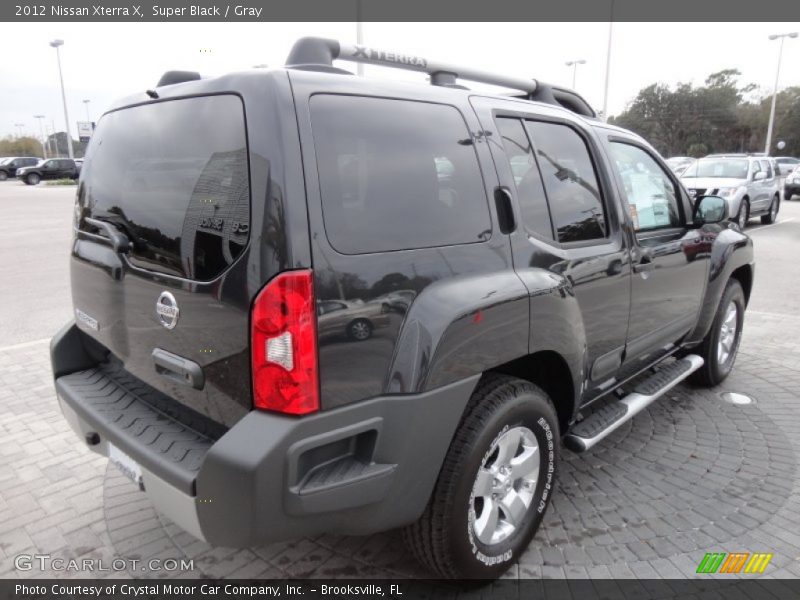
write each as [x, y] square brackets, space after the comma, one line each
[174, 176]
[396, 174]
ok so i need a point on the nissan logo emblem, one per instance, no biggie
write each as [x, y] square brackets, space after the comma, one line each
[167, 310]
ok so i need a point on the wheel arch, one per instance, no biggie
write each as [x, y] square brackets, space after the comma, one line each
[744, 275]
[550, 371]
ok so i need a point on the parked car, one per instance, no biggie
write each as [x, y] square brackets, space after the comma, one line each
[398, 301]
[748, 184]
[52, 168]
[792, 184]
[356, 320]
[11, 165]
[551, 304]
[786, 164]
[679, 164]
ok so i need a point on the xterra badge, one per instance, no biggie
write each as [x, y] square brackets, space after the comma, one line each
[167, 310]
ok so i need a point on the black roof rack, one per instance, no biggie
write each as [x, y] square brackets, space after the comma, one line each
[172, 77]
[312, 53]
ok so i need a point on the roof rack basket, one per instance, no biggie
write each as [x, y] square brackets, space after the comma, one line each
[314, 53]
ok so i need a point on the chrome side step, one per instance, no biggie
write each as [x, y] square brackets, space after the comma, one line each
[590, 431]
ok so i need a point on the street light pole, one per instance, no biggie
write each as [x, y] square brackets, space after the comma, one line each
[56, 44]
[359, 37]
[86, 104]
[771, 124]
[608, 65]
[574, 64]
[40, 118]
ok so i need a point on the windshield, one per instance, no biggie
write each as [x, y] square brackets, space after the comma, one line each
[678, 160]
[729, 168]
[4, 160]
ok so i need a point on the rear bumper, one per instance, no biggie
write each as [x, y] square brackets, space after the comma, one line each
[354, 470]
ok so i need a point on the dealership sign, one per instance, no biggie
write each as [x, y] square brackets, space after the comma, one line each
[85, 130]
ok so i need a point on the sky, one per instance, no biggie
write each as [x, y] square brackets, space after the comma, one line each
[105, 61]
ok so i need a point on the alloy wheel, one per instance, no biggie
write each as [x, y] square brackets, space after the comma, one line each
[505, 485]
[727, 335]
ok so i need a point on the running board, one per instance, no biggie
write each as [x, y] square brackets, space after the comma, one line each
[590, 431]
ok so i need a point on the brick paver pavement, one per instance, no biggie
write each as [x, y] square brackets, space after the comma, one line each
[693, 474]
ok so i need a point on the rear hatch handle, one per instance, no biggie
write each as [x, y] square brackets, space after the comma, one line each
[178, 369]
[119, 241]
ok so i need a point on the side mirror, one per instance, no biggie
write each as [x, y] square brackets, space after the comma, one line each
[710, 209]
[760, 176]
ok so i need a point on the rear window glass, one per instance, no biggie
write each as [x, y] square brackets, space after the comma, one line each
[396, 174]
[174, 177]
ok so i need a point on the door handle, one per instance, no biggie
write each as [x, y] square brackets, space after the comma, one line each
[645, 264]
[178, 369]
[505, 213]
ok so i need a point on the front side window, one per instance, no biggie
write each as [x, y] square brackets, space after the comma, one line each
[527, 179]
[396, 174]
[652, 196]
[767, 168]
[570, 181]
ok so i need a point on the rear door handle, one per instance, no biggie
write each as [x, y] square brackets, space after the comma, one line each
[178, 369]
[645, 264]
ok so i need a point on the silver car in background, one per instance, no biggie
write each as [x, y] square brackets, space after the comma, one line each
[748, 183]
[679, 164]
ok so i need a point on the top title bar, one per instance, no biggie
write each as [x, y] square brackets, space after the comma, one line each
[397, 10]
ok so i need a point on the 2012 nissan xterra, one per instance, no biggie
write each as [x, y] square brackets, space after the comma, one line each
[557, 277]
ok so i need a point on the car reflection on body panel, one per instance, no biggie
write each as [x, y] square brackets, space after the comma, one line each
[354, 319]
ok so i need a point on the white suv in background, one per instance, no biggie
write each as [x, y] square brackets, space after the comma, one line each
[748, 183]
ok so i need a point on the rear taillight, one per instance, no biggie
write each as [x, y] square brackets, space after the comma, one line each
[284, 345]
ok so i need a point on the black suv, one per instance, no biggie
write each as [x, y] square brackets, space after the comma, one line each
[557, 279]
[53, 168]
[9, 166]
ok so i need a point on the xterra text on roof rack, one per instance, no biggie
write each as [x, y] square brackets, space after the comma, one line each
[312, 302]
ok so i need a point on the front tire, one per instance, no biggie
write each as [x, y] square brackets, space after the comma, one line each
[721, 344]
[3, 175]
[787, 195]
[744, 214]
[772, 215]
[32, 179]
[495, 483]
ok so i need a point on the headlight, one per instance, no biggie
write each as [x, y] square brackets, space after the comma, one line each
[727, 192]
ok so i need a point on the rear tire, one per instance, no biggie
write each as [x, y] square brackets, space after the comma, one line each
[721, 344]
[772, 215]
[3, 175]
[492, 493]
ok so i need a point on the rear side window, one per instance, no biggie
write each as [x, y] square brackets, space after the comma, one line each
[570, 182]
[396, 174]
[174, 176]
[527, 179]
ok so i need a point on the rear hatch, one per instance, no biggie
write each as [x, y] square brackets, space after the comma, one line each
[173, 176]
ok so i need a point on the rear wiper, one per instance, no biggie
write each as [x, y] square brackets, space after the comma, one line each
[119, 241]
